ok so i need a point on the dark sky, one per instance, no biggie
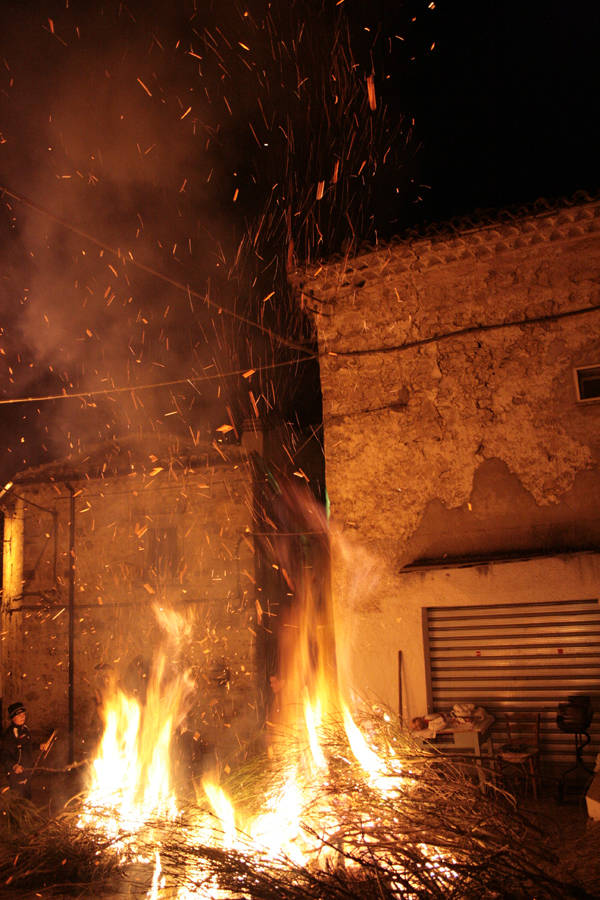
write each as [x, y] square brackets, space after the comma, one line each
[503, 94]
[507, 103]
[182, 135]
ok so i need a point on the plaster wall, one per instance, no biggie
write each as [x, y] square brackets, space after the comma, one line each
[370, 634]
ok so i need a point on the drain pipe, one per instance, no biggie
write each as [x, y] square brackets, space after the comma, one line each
[71, 712]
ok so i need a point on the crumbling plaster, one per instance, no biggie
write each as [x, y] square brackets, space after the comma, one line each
[411, 409]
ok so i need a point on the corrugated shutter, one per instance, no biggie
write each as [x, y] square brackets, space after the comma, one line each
[520, 657]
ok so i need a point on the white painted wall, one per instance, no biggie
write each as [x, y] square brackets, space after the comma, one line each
[371, 627]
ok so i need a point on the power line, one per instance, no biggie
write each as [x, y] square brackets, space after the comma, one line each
[469, 329]
[156, 384]
[396, 348]
[307, 356]
[185, 288]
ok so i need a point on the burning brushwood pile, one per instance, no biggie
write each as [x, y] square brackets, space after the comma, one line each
[337, 810]
[340, 803]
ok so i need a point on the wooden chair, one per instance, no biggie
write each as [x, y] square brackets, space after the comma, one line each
[520, 755]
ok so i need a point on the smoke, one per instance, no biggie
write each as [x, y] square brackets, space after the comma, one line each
[192, 139]
[97, 134]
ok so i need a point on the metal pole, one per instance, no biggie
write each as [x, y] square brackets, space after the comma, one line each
[71, 713]
[400, 708]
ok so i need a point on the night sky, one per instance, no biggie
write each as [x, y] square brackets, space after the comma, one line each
[192, 138]
[507, 104]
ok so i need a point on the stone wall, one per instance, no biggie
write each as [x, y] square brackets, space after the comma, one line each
[165, 539]
[450, 417]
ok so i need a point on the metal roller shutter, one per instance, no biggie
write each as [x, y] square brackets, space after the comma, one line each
[520, 657]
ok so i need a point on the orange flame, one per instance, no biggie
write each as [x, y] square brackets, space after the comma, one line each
[131, 786]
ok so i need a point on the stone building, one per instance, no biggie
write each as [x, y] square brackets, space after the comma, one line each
[95, 550]
[460, 372]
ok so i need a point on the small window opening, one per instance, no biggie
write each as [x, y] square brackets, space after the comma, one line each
[587, 383]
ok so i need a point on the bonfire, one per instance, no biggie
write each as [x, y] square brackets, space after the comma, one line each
[340, 804]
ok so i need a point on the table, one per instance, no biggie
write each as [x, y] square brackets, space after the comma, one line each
[474, 738]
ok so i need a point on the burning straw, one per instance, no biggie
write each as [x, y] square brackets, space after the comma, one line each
[340, 804]
[412, 825]
[53, 857]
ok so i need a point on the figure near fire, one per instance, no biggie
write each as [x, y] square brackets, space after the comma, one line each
[18, 751]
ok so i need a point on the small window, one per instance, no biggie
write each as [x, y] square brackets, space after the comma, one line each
[587, 383]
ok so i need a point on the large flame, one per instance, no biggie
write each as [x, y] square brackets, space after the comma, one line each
[130, 780]
[131, 788]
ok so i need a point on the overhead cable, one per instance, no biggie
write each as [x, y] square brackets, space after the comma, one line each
[131, 389]
[185, 288]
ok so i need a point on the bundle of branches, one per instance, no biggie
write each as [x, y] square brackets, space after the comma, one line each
[17, 814]
[416, 827]
[55, 857]
[404, 823]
